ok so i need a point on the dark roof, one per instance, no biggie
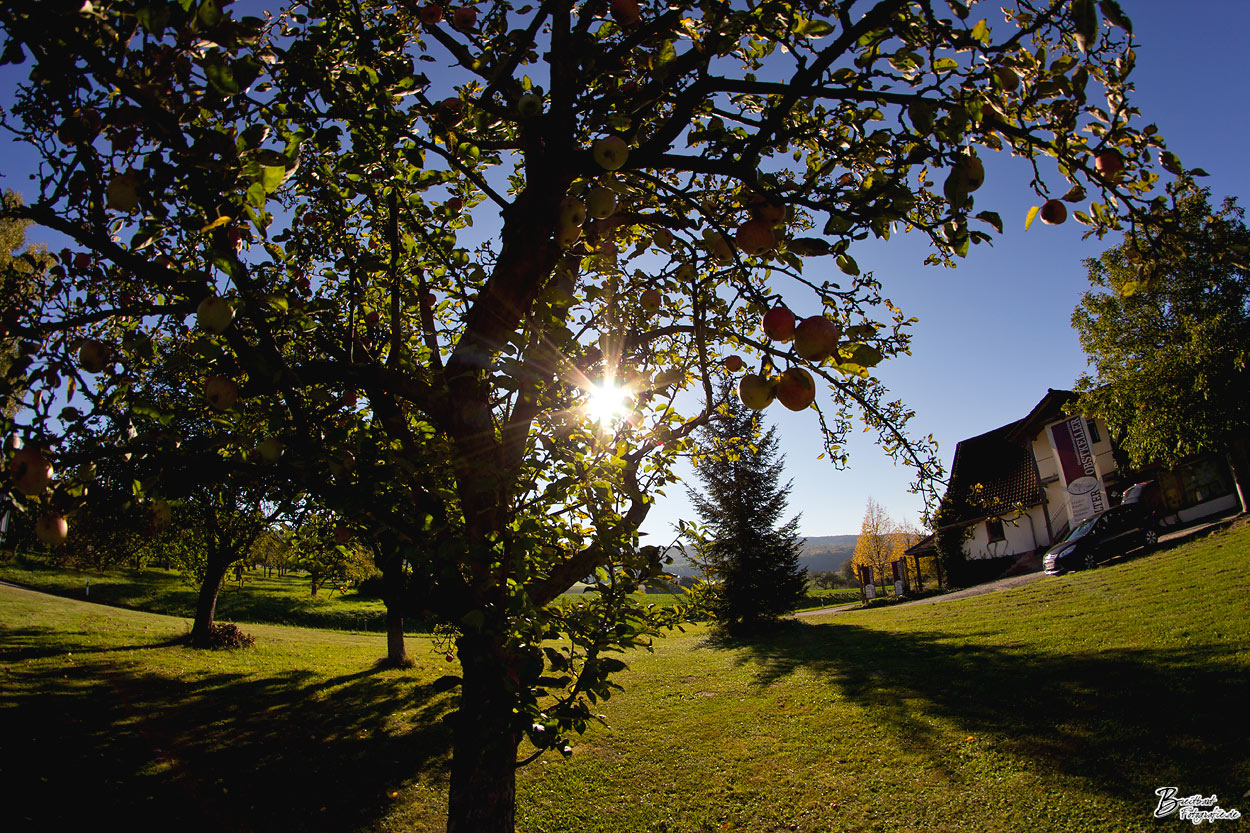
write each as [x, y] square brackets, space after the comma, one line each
[1002, 466]
[925, 546]
[1044, 412]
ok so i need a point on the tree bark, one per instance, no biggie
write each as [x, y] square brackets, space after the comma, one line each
[483, 762]
[206, 604]
[393, 598]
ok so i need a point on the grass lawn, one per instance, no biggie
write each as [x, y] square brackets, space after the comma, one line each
[1061, 705]
[277, 600]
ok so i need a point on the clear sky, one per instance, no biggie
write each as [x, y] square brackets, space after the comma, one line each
[994, 333]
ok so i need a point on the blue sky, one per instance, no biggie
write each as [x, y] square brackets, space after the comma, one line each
[994, 333]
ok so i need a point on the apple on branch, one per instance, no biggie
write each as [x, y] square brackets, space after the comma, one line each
[796, 389]
[600, 203]
[756, 392]
[529, 105]
[214, 314]
[754, 237]
[52, 529]
[610, 153]
[816, 338]
[651, 299]
[1054, 212]
[93, 356]
[221, 393]
[30, 471]
[778, 324]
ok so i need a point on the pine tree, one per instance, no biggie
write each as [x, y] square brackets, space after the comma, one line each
[753, 554]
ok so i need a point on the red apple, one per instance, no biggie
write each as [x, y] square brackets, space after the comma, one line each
[1109, 163]
[795, 389]
[464, 17]
[455, 205]
[221, 392]
[450, 110]
[430, 14]
[350, 399]
[1054, 212]
[30, 471]
[778, 324]
[734, 363]
[372, 318]
[342, 534]
[625, 12]
[214, 314]
[93, 356]
[762, 209]
[755, 237]
[756, 392]
[52, 529]
[816, 338]
[651, 299]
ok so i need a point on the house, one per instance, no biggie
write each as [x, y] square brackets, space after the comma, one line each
[1026, 484]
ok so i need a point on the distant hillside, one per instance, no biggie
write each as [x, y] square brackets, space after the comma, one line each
[823, 553]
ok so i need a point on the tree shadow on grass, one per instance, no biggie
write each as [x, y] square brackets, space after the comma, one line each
[1126, 721]
[95, 740]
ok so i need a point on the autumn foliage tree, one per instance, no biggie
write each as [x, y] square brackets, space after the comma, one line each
[419, 240]
[880, 543]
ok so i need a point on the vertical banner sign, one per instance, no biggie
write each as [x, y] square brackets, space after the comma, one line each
[900, 578]
[1070, 439]
[866, 579]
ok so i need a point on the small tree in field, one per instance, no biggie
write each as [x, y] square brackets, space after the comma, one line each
[451, 273]
[754, 553]
[1168, 335]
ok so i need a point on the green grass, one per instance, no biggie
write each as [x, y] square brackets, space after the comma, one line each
[1058, 706]
[277, 600]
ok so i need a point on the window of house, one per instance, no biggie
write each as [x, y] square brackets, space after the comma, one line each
[1094, 436]
[994, 530]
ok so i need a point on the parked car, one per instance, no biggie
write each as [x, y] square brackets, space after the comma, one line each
[1108, 534]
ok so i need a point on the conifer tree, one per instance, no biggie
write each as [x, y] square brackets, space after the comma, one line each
[754, 554]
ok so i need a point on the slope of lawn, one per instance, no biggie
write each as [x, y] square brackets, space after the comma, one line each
[1061, 705]
[277, 600]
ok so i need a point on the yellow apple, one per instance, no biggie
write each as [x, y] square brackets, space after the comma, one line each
[221, 393]
[52, 529]
[610, 153]
[214, 314]
[756, 392]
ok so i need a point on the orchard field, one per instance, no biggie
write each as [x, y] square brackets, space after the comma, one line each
[1061, 705]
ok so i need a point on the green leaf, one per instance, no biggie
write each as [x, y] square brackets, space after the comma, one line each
[847, 264]
[1171, 163]
[992, 218]
[981, 31]
[817, 29]
[1031, 216]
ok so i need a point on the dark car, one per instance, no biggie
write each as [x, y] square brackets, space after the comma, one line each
[1108, 534]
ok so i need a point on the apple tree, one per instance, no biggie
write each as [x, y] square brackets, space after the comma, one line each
[461, 268]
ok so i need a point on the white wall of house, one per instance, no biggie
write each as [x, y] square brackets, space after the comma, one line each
[1021, 533]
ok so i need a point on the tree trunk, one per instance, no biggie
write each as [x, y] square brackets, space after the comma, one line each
[483, 760]
[206, 604]
[393, 597]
